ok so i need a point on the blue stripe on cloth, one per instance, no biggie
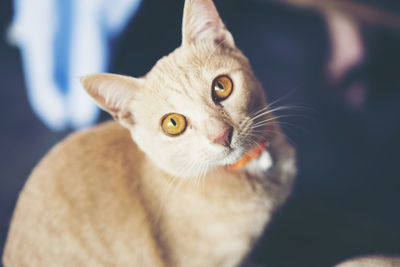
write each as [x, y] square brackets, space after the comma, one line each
[62, 45]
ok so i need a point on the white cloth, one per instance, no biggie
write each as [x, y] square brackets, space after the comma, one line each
[61, 41]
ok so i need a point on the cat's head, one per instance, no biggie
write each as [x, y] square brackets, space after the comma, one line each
[199, 107]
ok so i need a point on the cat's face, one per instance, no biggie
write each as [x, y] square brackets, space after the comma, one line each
[198, 108]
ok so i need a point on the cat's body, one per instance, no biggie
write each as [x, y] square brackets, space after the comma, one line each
[167, 198]
[109, 214]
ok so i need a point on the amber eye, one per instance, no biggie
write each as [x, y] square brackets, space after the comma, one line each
[173, 124]
[221, 88]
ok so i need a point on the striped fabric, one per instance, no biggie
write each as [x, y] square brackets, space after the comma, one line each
[60, 41]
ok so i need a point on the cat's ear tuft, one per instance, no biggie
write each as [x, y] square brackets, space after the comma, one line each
[202, 23]
[113, 93]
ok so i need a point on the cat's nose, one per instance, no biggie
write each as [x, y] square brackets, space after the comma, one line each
[225, 138]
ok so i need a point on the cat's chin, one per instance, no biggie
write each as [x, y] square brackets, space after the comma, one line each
[240, 156]
[233, 156]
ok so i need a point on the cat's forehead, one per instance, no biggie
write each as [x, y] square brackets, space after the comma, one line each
[190, 71]
[182, 81]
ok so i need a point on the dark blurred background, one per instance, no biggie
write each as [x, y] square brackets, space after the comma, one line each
[346, 198]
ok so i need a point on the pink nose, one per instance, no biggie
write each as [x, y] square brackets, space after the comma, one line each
[225, 138]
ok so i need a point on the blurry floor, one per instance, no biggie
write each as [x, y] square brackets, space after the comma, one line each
[346, 199]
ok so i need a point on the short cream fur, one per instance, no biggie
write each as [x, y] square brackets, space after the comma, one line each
[130, 195]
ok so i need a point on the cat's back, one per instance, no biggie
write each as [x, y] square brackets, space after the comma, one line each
[81, 202]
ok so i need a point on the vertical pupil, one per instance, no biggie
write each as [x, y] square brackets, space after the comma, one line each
[173, 122]
[220, 86]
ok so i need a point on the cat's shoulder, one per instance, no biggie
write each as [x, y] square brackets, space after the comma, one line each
[102, 134]
[104, 149]
[106, 139]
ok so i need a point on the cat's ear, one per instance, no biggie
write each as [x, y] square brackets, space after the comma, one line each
[113, 93]
[202, 23]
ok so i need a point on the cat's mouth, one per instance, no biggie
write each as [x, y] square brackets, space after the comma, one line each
[249, 155]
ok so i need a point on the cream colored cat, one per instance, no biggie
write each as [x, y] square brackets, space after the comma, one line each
[372, 261]
[195, 187]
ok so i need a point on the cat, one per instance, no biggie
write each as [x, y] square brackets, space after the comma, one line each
[372, 261]
[190, 173]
